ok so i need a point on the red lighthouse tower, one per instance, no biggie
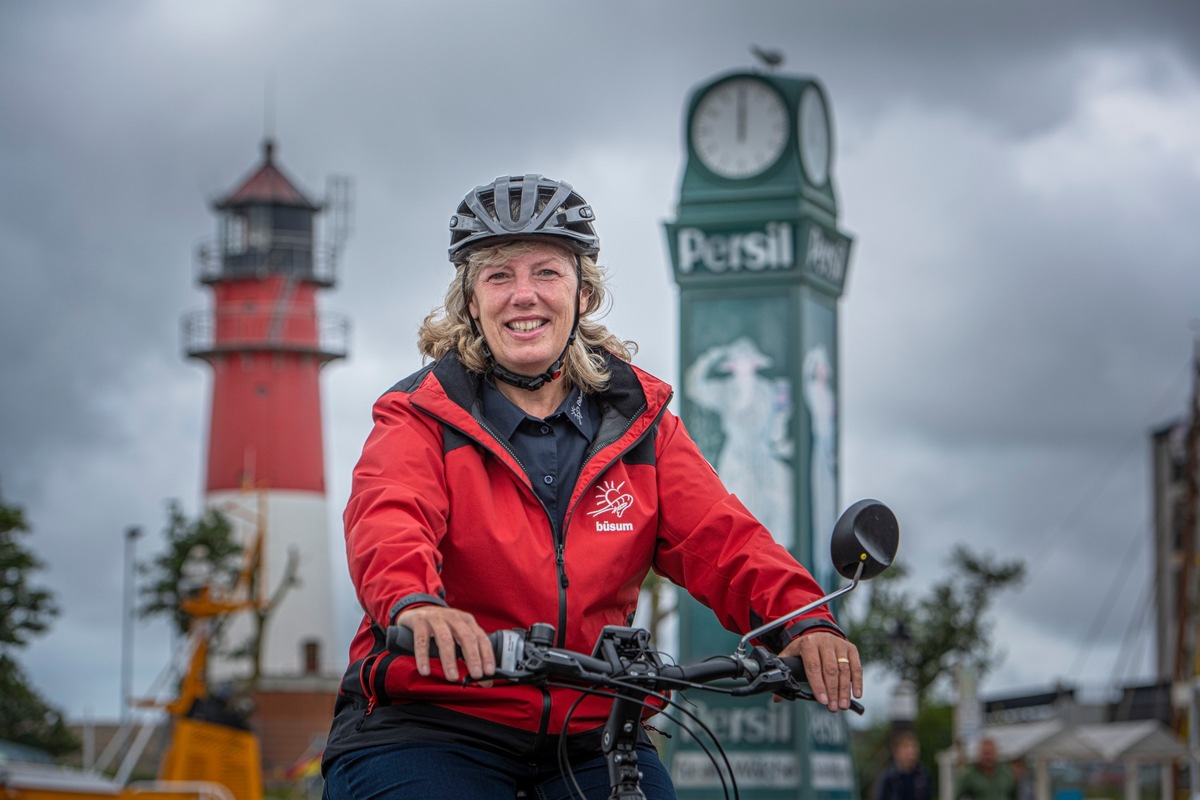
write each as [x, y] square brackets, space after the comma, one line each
[266, 343]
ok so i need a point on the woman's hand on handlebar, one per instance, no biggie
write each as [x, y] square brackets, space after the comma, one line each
[832, 666]
[448, 627]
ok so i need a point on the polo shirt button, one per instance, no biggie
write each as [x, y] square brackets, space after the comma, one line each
[545, 429]
[548, 479]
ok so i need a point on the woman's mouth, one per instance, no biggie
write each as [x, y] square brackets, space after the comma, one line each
[525, 325]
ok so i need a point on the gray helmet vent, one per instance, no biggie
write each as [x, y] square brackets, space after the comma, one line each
[522, 207]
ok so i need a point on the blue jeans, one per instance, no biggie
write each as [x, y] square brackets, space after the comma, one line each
[442, 771]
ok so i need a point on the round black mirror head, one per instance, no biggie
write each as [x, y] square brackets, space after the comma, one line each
[867, 533]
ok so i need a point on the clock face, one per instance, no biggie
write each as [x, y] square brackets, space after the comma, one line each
[815, 151]
[740, 127]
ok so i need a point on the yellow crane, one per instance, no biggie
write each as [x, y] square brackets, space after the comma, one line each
[211, 755]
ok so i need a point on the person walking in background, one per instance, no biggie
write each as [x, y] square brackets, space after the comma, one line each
[987, 778]
[905, 778]
[1022, 780]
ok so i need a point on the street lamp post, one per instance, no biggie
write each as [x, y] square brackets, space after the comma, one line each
[131, 535]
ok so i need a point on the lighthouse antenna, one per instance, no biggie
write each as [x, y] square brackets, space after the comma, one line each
[269, 106]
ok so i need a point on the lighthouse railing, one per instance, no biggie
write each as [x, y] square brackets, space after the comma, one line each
[207, 334]
[293, 254]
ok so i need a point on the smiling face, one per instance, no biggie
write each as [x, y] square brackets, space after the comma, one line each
[525, 307]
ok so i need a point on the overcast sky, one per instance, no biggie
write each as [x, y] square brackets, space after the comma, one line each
[1022, 181]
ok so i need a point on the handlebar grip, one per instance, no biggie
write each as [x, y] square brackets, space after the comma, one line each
[712, 670]
[508, 646]
[796, 665]
[400, 640]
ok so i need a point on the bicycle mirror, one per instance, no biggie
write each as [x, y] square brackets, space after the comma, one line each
[866, 533]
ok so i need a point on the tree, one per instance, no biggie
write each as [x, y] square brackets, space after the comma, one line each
[922, 639]
[26, 718]
[209, 540]
[207, 551]
[946, 627]
[25, 611]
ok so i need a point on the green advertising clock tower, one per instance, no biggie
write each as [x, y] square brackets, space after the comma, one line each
[760, 264]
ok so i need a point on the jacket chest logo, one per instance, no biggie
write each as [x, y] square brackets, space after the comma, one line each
[611, 502]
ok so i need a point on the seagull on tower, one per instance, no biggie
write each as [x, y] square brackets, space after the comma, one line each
[771, 59]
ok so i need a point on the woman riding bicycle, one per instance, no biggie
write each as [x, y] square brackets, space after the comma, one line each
[530, 473]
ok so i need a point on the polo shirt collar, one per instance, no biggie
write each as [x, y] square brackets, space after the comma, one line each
[506, 415]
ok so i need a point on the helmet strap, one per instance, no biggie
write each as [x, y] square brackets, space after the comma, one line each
[526, 382]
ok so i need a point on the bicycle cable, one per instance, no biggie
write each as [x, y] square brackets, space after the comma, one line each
[667, 703]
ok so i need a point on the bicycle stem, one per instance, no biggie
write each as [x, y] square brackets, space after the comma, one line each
[743, 644]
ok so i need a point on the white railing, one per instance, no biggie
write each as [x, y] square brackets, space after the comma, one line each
[326, 335]
[293, 254]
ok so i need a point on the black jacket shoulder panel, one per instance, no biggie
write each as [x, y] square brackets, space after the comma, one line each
[460, 384]
[643, 451]
[453, 439]
[412, 381]
[624, 391]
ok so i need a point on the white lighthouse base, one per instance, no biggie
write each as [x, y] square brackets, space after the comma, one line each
[299, 634]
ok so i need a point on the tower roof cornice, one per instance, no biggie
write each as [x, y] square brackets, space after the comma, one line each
[267, 185]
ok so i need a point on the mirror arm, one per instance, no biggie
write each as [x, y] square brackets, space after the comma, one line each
[743, 645]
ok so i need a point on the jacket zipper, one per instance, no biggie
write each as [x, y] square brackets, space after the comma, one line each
[597, 448]
[560, 538]
[559, 561]
[364, 681]
[557, 536]
[560, 544]
[375, 683]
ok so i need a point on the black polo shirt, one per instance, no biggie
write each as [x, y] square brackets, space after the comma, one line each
[550, 449]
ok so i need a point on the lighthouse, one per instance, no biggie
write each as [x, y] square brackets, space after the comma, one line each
[266, 343]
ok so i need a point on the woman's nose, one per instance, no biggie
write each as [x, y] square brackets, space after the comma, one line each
[523, 289]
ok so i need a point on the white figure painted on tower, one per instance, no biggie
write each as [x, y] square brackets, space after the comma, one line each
[754, 412]
[819, 397]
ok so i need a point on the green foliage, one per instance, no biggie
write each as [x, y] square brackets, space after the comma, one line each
[935, 731]
[25, 610]
[166, 581]
[946, 627]
[25, 718]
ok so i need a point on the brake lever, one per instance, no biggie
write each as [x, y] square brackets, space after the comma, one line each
[775, 676]
[771, 674]
[802, 690]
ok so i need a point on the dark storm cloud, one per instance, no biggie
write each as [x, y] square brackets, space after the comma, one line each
[1016, 313]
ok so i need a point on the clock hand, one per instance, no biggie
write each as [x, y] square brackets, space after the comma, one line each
[741, 113]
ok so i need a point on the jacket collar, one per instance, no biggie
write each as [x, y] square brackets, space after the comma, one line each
[630, 390]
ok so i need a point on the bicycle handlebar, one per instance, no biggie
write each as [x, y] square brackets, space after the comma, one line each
[625, 666]
[625, 658]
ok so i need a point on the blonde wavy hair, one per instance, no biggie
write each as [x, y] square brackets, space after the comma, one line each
[449, 328]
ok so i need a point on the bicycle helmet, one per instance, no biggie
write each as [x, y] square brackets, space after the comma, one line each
[522, 207]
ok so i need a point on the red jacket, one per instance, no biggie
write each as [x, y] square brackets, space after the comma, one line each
[441, 511]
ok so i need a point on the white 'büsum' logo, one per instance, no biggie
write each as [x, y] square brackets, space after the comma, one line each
[610, 500]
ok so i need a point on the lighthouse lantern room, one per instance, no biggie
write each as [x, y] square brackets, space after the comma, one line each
[266, 343]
